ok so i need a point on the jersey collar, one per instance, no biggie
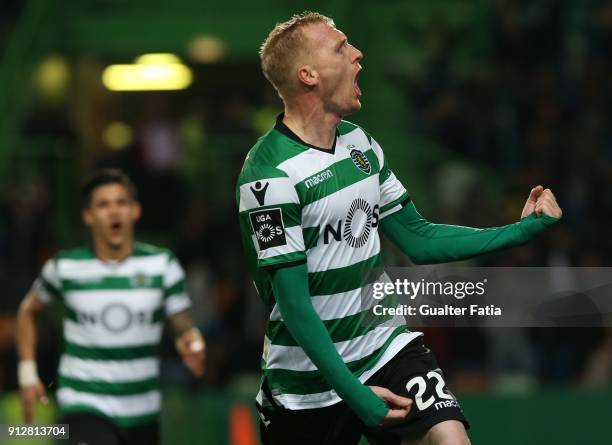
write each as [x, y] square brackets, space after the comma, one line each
[284, 129]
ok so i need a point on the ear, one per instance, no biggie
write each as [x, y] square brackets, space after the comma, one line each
[86, 216]
[308, 76]
[136, 211]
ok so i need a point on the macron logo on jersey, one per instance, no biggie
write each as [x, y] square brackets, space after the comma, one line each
[318, 178]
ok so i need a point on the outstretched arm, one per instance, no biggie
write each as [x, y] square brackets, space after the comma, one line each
[427, 243]
[290, 286]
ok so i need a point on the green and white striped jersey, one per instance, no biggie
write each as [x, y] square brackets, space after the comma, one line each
[298, 203]
[113, 319]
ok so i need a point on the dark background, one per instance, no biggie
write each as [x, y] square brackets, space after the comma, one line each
[474, 103]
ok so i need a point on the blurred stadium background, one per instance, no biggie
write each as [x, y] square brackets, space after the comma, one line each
[474, 101]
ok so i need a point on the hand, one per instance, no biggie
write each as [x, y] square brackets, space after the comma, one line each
[192, 349]
[29, 395]
[547, 205]
[399, 406]
[530, 205]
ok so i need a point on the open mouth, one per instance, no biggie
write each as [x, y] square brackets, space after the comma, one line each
[116, 228]
[356, 84]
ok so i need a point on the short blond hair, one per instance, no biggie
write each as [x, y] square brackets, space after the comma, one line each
[281, 48]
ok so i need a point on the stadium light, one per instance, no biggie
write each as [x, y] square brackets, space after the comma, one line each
[157, 59]
[206, 49]
[117, 135]
[52, 77]
[150, 72]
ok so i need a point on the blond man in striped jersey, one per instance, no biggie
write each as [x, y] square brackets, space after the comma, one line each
[313, 196]
[116, 294]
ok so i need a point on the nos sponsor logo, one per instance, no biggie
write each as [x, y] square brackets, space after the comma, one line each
[355, 229]
[116, 317]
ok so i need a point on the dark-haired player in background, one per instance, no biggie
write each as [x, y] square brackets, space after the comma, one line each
[312, 195]
[116, 294]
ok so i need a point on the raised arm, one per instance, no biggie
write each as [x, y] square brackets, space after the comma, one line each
[427, 243]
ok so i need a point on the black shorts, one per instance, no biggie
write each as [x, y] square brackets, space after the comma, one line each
[412, 373]
[90, 429]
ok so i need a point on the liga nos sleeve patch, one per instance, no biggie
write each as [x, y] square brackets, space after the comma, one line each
[268, 228]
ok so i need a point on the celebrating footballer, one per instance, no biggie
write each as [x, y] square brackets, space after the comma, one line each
[314, 194]
[116, 294]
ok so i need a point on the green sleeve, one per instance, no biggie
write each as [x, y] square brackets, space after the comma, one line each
[290, 286]
[428, 243]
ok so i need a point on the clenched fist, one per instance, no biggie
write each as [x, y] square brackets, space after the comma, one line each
[542, 202]
[192, 349]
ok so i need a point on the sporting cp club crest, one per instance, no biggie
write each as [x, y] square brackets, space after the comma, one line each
[360, 161]
[141, 280]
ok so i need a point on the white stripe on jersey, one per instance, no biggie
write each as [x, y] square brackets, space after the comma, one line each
[329, 307]
[310, 162]
[173, 274]
[279, 191]
[294, 358]
[320, 260]
[390, 190]
[343, 304]
[177, 303]
[113, 406]
[40, 292]
[379, 153]
[150, 265]
[49, 273]
[98, 336]
[98, 299]
[115, 371]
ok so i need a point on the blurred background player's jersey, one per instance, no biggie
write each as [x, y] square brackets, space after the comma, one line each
[299, 204]
[113, 319]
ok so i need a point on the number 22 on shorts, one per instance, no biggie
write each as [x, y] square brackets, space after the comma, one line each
[421, 384]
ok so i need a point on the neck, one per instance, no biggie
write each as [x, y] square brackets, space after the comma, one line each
[312, 123]
[107, 252]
